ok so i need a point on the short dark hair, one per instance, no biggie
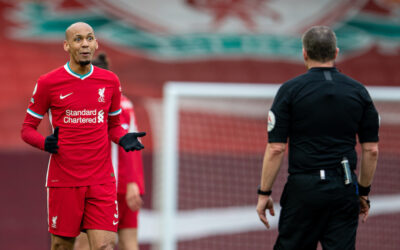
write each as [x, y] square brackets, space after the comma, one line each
[101, 61]
[320, 43]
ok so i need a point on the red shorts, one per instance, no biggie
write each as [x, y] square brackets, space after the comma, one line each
[127, 218]
[72, 209]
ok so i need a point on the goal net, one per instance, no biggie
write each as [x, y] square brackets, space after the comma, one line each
[214, 138]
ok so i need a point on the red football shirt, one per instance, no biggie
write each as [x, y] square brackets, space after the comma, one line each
[85, 108]
[128, 166]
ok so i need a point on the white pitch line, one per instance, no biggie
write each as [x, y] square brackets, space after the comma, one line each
[200, 223]
[384, 204]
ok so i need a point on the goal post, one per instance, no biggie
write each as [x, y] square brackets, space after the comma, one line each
[184, 224]
[172, 92]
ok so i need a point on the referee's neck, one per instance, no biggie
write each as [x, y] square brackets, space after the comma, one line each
[315, 64]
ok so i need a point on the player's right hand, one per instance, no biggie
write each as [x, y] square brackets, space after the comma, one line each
[50, 143]
[130, 141]
[133, 199]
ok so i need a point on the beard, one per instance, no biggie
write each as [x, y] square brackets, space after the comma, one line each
[84, 63]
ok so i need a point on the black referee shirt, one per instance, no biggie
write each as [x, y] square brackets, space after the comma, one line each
[321, 112]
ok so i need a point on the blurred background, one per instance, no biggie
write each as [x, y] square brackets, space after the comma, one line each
[152, 42]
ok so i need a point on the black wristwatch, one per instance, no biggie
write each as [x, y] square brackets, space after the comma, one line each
[261, 192]
[363, 191]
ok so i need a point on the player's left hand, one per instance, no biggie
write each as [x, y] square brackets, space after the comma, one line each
[133, 199]
[130, 141]
[265, 202]
[51, 142]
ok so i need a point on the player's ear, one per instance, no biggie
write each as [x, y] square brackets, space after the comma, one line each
[66, 46]
[97, 44]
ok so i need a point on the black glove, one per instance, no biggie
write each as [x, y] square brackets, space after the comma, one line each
[130, 141]
[50, 144]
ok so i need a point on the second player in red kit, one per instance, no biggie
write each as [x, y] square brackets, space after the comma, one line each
[83, 104]
[128, 169]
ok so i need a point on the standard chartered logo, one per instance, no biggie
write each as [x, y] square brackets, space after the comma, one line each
[83, 116]
[100, 117]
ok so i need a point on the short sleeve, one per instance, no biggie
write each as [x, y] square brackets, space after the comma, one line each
[369, 124]
[40, 101]
[279, 116]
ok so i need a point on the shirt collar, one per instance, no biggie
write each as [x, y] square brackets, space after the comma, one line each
[314, 69]
[82, 77]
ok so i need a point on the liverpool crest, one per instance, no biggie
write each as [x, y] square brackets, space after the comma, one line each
[101, 94]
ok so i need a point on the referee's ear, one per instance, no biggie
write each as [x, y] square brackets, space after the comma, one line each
[336, 53]
[305, 56]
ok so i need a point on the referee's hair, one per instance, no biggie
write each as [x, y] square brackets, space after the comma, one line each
[101, 61]
[320, 43]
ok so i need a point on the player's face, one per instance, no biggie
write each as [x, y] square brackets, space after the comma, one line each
[81, 45]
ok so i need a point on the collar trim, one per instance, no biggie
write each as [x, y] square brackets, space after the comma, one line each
[82, 77]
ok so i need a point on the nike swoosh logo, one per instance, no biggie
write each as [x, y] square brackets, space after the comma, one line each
[115, 223]
[64, 96]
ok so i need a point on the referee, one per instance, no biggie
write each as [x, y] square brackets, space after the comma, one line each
[321, 112]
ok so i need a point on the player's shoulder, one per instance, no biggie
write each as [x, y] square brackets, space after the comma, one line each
[52, 76]
[104, 73]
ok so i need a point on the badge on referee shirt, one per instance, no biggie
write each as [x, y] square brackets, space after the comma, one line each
[271, 121]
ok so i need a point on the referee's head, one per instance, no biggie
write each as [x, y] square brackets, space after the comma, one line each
[319, 44]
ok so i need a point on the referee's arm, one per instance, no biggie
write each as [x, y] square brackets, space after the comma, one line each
[273, 157]
[272, 162]
[369, 159]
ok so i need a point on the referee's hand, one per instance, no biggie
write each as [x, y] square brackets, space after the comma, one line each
[364, 207]
[265, 202]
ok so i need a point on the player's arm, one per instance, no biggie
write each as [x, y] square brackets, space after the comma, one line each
[31, 136]
[137, 155]
[133, 199]
[37, 108]
[138, 171]
[134, 187]
[126, 166]
[29, 133]
[129, 141]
